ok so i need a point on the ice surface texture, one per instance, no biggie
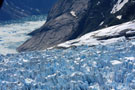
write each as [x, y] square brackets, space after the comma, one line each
[103, 67]
[13, 33]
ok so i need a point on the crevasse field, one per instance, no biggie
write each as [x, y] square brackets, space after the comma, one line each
[103, 67]
[94, 66]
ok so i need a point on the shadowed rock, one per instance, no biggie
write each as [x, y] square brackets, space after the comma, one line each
[1, 2]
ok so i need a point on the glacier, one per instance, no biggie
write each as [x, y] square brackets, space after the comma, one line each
[100, 60]
[14, 32]
[102, 67]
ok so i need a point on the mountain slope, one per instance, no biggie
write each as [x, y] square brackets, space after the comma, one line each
[76, 18]
[117, 33]
[15, 9]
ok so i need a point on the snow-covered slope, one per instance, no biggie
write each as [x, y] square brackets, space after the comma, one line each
[104, 36]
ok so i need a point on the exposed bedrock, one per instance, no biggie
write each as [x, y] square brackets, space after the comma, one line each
[70, 19]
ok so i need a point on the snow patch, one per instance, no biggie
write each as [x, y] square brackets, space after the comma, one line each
[101, 23]
[28, 80]
[24, 60]
[118, 6]
[133, 43]
[119, 17]
[98, 2]
[116, 62]
[130, 58]
[73, 13]
[130, 32]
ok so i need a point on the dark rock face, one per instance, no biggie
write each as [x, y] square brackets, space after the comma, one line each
[1, 2]
[69, 19]
[15, 9]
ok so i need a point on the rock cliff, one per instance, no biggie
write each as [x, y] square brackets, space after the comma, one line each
[70, 19]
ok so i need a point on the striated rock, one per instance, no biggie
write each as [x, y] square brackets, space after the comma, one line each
[70, 19]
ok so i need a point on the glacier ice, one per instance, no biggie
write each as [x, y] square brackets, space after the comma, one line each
[102, 67]
[13, 33]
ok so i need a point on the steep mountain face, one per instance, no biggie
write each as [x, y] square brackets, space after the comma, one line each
[14, 9]
[69, 19]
